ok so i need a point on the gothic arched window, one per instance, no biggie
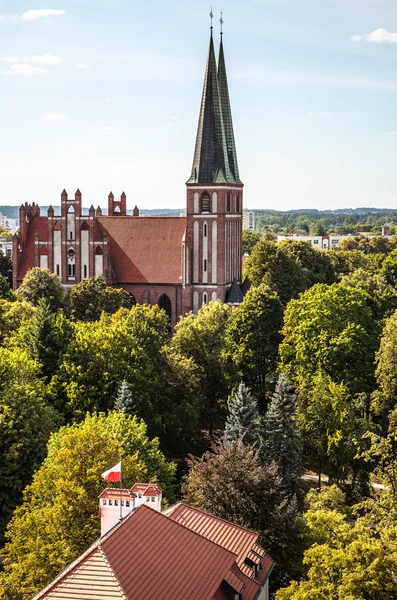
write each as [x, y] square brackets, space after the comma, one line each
[205, 202]
[237, 202]
[228, 202]
[165, 303]
[71, 263]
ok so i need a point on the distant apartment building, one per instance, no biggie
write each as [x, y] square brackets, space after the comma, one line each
[7, 223]
[6, 247]
[325, 242]
[249, 220]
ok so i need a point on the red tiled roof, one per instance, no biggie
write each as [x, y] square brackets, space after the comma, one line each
[232, 537]
[37, 224]
[145, 249]
[115, 493]
[182, 566]
[235, 581]
[90, 579]
[146, 489]
[150, 556]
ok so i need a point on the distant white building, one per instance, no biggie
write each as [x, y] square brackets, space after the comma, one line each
[6, 247]
[249, 220]
[323, 242]
[7, 223]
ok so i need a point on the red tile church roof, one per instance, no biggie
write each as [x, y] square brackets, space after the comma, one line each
[145, 249]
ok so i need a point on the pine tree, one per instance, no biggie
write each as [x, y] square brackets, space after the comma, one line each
[45, 337]
[124, 401]
[243, 418]
[282, 441]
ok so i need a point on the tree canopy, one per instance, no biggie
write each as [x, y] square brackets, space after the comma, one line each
[40, 283]
[58, 518]
[89, 298]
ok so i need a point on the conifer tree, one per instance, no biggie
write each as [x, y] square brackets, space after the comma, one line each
[45, 337]
[124, 401]
[282, 442]
[243, 418]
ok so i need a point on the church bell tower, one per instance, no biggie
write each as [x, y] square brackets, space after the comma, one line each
[212, 245]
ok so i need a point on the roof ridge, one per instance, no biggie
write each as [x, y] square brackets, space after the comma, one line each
[112, 572]
[205, 512]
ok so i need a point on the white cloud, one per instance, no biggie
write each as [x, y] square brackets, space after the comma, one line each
[27, 65]
[104, 129]
[379, 36]
[44, 59]
[24, 69]
[390, 133]
[47, 59]
[34, 15]
[51, 116]
[12, 59]
[83, 66]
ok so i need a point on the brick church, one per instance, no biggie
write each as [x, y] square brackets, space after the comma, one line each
[176, 262]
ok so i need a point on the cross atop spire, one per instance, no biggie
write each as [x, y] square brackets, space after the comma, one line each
[221, 21]
[211, 17]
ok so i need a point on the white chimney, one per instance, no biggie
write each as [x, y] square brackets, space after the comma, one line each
[109, 507]
[111, 498]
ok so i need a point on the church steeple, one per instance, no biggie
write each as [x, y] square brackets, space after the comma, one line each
[210, 162]
[227, 113]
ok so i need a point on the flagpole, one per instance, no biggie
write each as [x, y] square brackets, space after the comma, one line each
[121, 487]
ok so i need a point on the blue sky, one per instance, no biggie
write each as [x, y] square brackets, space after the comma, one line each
[104, 95]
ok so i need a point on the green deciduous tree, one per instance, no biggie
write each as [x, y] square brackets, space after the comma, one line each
[386, 373]
[281, 439]
[126, 345]
[58, 519]
[347, 261]
[350, 559]
[333, 330]
[26, 422]
[249, 239]
[316, 263]
[200, 339]
[12, 315]
[333, 423]
[382, 297]
[252, 339]
[6, 267]
[89, 298]
[243, 420]
[270, 264]
[389, 268]
[40, 283]
[6, 292]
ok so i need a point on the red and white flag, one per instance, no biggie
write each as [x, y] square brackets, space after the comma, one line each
[113, 474]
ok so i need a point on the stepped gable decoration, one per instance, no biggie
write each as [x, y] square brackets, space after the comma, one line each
[178, 263]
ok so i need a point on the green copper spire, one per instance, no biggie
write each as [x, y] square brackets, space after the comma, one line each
[227, 113]
[210, 162]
